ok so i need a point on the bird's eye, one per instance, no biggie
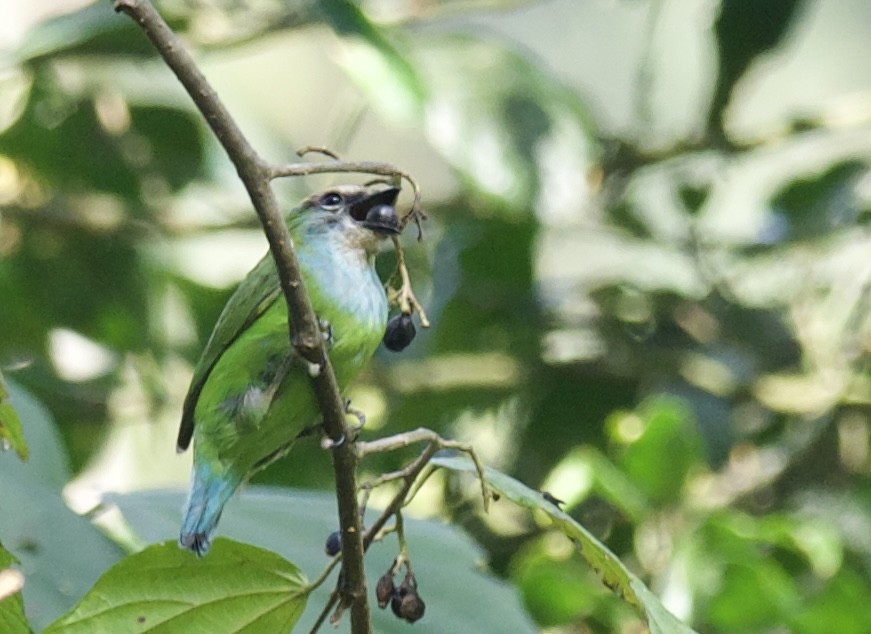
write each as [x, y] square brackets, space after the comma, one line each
[331, 201]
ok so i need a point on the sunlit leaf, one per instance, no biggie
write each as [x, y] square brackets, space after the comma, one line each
[11, 436]
[612, 571]
[752, 596]
[237, 588]
[833, 609]
[557, 590]
[12, 619]
[663, 448]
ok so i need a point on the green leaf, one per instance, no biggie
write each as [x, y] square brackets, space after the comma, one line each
[834, 609]
[11, 436]
[12, 619]
[557, 590]
[612, 571]
[753, 596]
[295, 524]
[667, 446]
[237, 588]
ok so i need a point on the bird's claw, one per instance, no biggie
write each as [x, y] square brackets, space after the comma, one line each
[326, 332]
[329, 443]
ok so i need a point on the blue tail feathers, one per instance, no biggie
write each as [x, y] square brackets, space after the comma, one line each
[209, 492]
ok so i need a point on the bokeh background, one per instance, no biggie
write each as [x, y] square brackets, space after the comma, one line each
[647, 264]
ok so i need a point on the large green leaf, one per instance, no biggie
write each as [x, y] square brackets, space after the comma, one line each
[667, 446]
[11, 436]
[614, 574]
[459, 596]
[237, 588]
[61, 553]
[12, 619]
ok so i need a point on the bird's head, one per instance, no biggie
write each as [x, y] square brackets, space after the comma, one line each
[355, 215]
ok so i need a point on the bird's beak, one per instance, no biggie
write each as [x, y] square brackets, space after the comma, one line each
[377, 211]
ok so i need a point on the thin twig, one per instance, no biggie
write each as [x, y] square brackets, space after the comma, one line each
[359, 167]
[405, 296]
[410, 475]
[324, 574]
[328, 606]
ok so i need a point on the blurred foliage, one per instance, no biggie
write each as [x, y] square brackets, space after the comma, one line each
[613, 573]
[12, 618]
[673, 338]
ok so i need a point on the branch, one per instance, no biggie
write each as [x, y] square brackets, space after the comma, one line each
[360, 167]
[304, 333]
[410, 475]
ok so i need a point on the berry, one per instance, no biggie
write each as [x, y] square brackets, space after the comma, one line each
[400, 333]
[334, 544]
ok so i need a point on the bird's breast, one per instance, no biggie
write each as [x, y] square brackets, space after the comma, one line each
[346, 292]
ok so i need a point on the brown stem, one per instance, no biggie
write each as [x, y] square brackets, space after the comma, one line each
[409, 474]
[305, 335]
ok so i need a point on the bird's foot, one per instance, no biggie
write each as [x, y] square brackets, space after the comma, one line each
[329, 443]
[326, 332]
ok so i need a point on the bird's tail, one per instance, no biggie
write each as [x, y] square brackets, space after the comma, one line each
[210, 490]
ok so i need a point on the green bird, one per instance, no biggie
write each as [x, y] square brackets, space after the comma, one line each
[251, 397]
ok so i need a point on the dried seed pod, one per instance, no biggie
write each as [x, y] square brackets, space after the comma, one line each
[411, 607]
[396, 601]
[385, 590]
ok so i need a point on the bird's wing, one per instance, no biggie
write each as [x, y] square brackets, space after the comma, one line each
[257, 292]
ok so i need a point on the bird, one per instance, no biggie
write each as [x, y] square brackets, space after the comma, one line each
[250, 396]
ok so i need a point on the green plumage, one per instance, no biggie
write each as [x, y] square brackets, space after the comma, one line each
[251, 396]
